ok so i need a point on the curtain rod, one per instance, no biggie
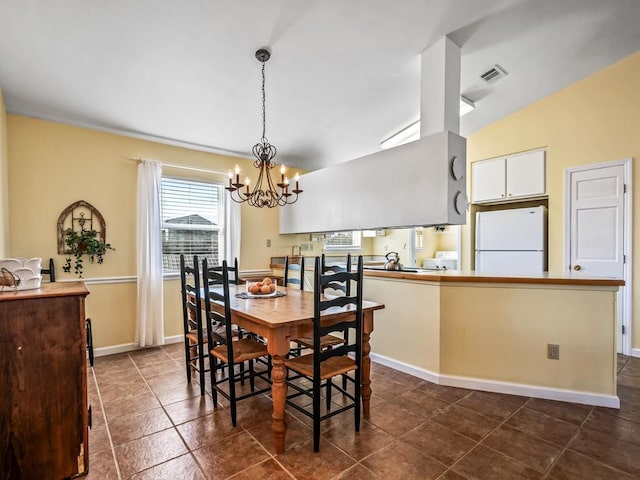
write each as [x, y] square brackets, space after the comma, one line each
[171, 165]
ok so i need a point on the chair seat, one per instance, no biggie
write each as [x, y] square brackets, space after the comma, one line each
[325, 341]
[193, 334]
[243, 350]
[329, 368]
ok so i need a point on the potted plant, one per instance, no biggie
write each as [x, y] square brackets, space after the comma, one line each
[83, 242]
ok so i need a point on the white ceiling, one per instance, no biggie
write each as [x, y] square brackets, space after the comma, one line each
[344, 74]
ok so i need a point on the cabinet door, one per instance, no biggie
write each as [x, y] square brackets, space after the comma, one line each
[488, 180]
[43, 400]
[526, 175]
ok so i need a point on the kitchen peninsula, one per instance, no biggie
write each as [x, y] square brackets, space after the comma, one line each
[492, 332]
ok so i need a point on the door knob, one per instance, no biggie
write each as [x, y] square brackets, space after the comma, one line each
[577, 267]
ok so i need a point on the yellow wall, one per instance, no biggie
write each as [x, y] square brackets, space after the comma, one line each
[501, 333]
[53, 165]
[592, 121]
[4, 182]
[407, 330]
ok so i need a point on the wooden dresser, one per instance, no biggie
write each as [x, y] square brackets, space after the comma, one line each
[44, 416]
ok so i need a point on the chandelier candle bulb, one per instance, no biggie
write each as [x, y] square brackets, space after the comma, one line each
[237, 170]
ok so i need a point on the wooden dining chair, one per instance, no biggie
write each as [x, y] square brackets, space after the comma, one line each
[234, 279]
[301, 343]
[51, 271]
[227, 350]
[322, 365]
[342, 287]
[334, 287]
[195, 340]
[297, 279]
[234, 273]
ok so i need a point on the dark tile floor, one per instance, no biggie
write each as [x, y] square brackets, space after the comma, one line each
[150, 424]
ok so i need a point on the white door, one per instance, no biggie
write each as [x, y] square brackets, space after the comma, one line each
[597, 228]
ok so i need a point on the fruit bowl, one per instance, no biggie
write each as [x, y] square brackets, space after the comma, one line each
[265, 288]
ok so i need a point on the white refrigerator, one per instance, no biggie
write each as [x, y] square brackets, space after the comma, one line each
[512, 241]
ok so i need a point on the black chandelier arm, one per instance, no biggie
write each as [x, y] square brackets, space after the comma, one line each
[263, 198]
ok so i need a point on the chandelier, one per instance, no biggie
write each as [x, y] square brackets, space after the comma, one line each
[266, 193]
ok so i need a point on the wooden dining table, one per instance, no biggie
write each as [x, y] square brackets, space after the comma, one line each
[284, 318]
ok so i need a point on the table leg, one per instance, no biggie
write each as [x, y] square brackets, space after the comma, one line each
[279, 395]
[278, 346]
[366, 375]
[365, 392]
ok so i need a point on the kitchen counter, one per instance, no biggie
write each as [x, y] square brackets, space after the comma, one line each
[450, 276]
[492, 332]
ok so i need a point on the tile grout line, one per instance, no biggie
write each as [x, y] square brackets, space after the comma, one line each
[174, 426]
[272, 457]
[483, 438]
[106, 424]
[190, 451]
[582, 454]
[566, 447]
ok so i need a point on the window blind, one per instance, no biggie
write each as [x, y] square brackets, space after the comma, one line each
[191, 221]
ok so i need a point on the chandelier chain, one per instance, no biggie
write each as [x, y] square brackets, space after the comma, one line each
[264, 109]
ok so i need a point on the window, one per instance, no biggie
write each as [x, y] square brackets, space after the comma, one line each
[192, 221]
[342, 240]
[419, 238]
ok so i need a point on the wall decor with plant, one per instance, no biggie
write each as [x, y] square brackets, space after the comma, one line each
[81, 232]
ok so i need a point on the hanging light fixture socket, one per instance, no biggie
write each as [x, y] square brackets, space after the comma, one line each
[263, 55]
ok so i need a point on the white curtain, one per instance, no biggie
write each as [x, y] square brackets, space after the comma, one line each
[232, 231]
[149, 315]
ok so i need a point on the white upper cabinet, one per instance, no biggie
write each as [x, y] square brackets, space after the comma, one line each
[488, 180]
[504, 179]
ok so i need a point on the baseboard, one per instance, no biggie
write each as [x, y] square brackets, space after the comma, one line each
[635, 352]
[548, 393]
[406, 368]
[129, 347]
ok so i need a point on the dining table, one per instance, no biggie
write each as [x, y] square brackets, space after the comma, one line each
[283, 318]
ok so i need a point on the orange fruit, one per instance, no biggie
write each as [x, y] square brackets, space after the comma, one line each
[265, 289]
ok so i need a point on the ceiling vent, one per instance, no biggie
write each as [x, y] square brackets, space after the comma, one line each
[493, 74]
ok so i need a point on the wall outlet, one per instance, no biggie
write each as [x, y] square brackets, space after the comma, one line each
[268, 242]
[304, 247]
[553, 351]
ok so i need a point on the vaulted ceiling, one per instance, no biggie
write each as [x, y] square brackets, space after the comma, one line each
[343, 75]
